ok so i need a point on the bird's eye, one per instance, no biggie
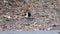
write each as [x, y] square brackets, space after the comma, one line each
[25, 14]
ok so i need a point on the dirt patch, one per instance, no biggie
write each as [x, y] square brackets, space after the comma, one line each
[45, 15]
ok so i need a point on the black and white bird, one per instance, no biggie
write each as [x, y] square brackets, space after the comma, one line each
[27, 15]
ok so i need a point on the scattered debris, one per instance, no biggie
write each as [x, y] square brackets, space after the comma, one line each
[1, 18]
[6, 16]
[44, 14]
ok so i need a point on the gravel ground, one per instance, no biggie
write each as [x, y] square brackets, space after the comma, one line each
[45, 15]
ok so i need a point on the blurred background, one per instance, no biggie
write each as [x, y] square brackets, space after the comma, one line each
[44, 15]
